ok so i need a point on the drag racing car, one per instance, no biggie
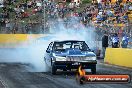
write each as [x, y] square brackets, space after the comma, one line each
[69, 54]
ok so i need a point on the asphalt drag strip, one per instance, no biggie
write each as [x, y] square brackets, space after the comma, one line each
[17, 75]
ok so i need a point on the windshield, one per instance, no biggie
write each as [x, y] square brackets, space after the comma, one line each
[61, 46]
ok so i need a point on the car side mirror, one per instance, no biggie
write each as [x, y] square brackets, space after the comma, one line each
[48, 51]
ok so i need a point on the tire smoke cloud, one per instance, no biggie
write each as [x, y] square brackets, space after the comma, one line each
[34, 52]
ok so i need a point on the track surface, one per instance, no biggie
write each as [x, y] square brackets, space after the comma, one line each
[16, 75]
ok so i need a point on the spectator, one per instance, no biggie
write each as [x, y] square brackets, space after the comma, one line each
[29, 4]
[104, 43]
[115, 41]
[2, 24]
[8, 26]
[15, 27]
[71, 6]
[124, 41]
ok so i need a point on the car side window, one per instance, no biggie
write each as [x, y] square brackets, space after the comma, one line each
[85, 47]
[50, 46]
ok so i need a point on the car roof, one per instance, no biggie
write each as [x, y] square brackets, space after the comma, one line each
[70, 41]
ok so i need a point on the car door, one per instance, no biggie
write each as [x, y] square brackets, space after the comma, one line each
[48, 55]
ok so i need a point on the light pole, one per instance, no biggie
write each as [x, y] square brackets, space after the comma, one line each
[44, 19]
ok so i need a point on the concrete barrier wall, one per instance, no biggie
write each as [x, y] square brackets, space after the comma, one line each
[14, 40]
[119, 56]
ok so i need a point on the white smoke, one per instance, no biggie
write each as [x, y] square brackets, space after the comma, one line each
[34, 53]
[32, 56]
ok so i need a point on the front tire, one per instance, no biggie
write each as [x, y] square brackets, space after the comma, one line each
[93, 70]
[82, 80]
[53, 70]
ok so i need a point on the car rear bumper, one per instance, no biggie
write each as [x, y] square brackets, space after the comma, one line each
[74, 65]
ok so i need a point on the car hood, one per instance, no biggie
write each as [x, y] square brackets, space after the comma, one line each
[73, 52]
